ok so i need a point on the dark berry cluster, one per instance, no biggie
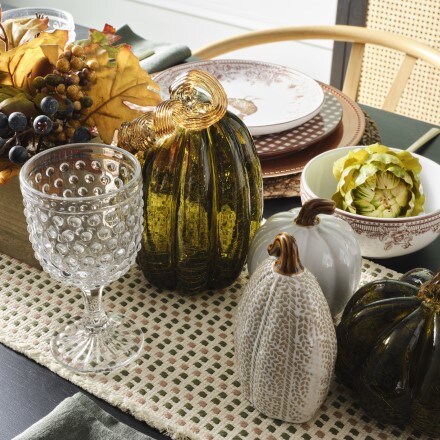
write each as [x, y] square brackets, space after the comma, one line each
[63, 101]
[24, 137]
[67, 85]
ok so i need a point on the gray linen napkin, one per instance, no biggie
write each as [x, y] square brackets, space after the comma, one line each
[153, 56]
[79, 418]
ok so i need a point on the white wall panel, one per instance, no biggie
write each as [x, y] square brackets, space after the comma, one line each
[198, 22]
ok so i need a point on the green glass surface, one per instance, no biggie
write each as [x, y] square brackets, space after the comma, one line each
[388, 351]
[203, 204]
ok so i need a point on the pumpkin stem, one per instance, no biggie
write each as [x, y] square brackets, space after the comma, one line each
[430, 290]
[285, 248]
[199, 100]
[307, 216]
[138, 135]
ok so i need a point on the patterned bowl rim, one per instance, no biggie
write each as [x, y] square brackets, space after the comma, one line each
[364, 219]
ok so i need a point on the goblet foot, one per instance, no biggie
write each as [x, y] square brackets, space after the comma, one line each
[79, 348]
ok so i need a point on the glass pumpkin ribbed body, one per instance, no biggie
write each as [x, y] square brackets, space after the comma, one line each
[203, 204]
[389, 351]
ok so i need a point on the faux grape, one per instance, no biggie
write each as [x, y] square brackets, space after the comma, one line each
[76, 63]
[5, 132]
[63, 65]
[42, 124]
[53, 79]
[86, 101]
[49, 105]
[3, 120]
[66, 109]
[17, 121]
[78, 51]
[81, 134]
[39, 82]
[18, 154]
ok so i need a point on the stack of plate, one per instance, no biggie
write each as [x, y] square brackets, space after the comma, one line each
[291, 116]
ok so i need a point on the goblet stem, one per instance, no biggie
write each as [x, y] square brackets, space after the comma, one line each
[95, 318]
[97, 341]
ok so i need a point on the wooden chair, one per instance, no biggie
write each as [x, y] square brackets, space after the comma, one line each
[418, 20]
[360, 37]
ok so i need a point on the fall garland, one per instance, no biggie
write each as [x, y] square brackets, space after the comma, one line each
[66, 91]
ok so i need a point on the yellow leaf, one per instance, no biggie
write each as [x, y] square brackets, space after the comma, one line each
[51, 52]
[18, 64]
[7, 170]
[125, 81]
[22, 30]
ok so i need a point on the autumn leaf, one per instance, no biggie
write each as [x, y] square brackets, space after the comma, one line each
[22, 62]
[106, 37]
[101, 44]
[7, 170]
[115, 85]
[21, 30]
[51, 52]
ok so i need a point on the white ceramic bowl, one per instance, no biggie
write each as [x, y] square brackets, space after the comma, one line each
[379, 237]
[58, 19]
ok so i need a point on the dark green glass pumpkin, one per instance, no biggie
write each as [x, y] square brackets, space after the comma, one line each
[202, 189]
[389, 350]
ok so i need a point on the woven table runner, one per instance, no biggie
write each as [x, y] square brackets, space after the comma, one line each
[184, 383]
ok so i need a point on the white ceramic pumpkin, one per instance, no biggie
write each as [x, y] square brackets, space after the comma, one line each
[285, 341]
[327, 247]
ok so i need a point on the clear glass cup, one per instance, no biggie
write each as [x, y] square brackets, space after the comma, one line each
[58, 19]
[83, 205]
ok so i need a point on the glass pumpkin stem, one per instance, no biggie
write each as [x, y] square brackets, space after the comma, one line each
[189, 107]
[285, 248]
[307, 216]
[95, 317]
[430, 290]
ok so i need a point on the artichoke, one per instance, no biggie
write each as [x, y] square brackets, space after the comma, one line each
[376, 181]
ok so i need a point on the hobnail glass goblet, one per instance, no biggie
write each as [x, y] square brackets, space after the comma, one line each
[83, 205]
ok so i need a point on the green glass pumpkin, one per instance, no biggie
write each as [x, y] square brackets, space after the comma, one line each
[389, 350]
[202, 188]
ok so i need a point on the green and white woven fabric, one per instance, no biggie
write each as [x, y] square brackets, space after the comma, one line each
[185, 381]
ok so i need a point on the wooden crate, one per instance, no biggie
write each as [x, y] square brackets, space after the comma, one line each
[14, 237]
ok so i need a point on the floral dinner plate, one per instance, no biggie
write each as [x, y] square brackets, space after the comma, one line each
[307, 134]
[268, 98]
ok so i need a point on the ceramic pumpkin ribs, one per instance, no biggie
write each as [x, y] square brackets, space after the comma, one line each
[285, 341]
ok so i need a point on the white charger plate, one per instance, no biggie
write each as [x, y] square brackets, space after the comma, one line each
[269, 98]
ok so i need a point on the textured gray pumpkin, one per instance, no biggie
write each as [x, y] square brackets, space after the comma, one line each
[285, 341]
